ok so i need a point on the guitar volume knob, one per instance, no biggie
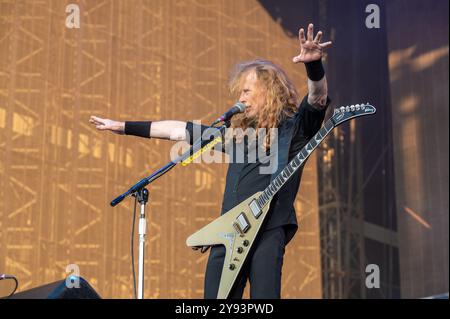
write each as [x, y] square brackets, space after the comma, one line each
[240, 250]
[232, 266]
[245, 243]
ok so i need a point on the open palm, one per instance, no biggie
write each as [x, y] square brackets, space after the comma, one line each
[310, 48]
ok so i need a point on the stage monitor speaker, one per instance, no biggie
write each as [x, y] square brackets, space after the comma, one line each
[59, 290]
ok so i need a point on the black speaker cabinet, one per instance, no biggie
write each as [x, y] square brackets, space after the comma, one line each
[59, 290]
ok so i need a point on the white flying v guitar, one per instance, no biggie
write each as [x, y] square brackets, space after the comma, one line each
[237, 229]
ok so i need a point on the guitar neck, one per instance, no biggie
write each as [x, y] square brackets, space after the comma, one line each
[298, 160]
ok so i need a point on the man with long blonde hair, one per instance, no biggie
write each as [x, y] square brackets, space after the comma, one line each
[272, 103]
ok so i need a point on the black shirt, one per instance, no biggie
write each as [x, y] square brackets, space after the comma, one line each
[245, 179]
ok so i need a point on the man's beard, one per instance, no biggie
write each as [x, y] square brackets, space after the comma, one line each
[252, 121]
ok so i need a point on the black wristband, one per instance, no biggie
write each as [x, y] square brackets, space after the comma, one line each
[315, 70]
[141, 129]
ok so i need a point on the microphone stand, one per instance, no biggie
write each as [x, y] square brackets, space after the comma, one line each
[139, 191]
[142, 198]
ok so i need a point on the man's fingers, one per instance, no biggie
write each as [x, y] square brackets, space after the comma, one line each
[301, 36]
[297, 59]
[326, 44]
[96, 120]
[310, 33]
[101, 124]
[318, 37]
[93, 119]
[101, 127]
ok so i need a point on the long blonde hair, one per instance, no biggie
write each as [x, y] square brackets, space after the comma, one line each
[281, 95]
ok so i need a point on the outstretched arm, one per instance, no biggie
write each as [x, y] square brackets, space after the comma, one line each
[311, 52]
[168, 130]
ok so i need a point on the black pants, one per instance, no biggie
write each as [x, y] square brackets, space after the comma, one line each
[263, 268]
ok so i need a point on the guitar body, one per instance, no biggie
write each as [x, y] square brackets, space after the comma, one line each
[231, 230]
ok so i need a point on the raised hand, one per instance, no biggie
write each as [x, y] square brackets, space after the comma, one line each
[310, 48]
[108, 125]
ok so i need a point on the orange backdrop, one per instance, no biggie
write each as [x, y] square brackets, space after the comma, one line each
[129, 60]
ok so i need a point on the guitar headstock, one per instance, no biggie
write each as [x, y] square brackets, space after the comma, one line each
[345, 113]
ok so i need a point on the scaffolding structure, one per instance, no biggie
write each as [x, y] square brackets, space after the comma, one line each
[341, 217]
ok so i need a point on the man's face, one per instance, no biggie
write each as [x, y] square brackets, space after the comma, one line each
[252, 95]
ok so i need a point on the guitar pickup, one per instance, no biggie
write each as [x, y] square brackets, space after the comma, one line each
[241, 224]
[254, 207]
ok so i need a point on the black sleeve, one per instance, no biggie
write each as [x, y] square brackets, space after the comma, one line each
[195, 131]
[310, 119]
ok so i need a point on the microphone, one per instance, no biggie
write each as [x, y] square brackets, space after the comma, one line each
[237, 108]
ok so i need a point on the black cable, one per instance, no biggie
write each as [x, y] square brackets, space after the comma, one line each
[132, 248]
[4, 277]
[15, 288]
